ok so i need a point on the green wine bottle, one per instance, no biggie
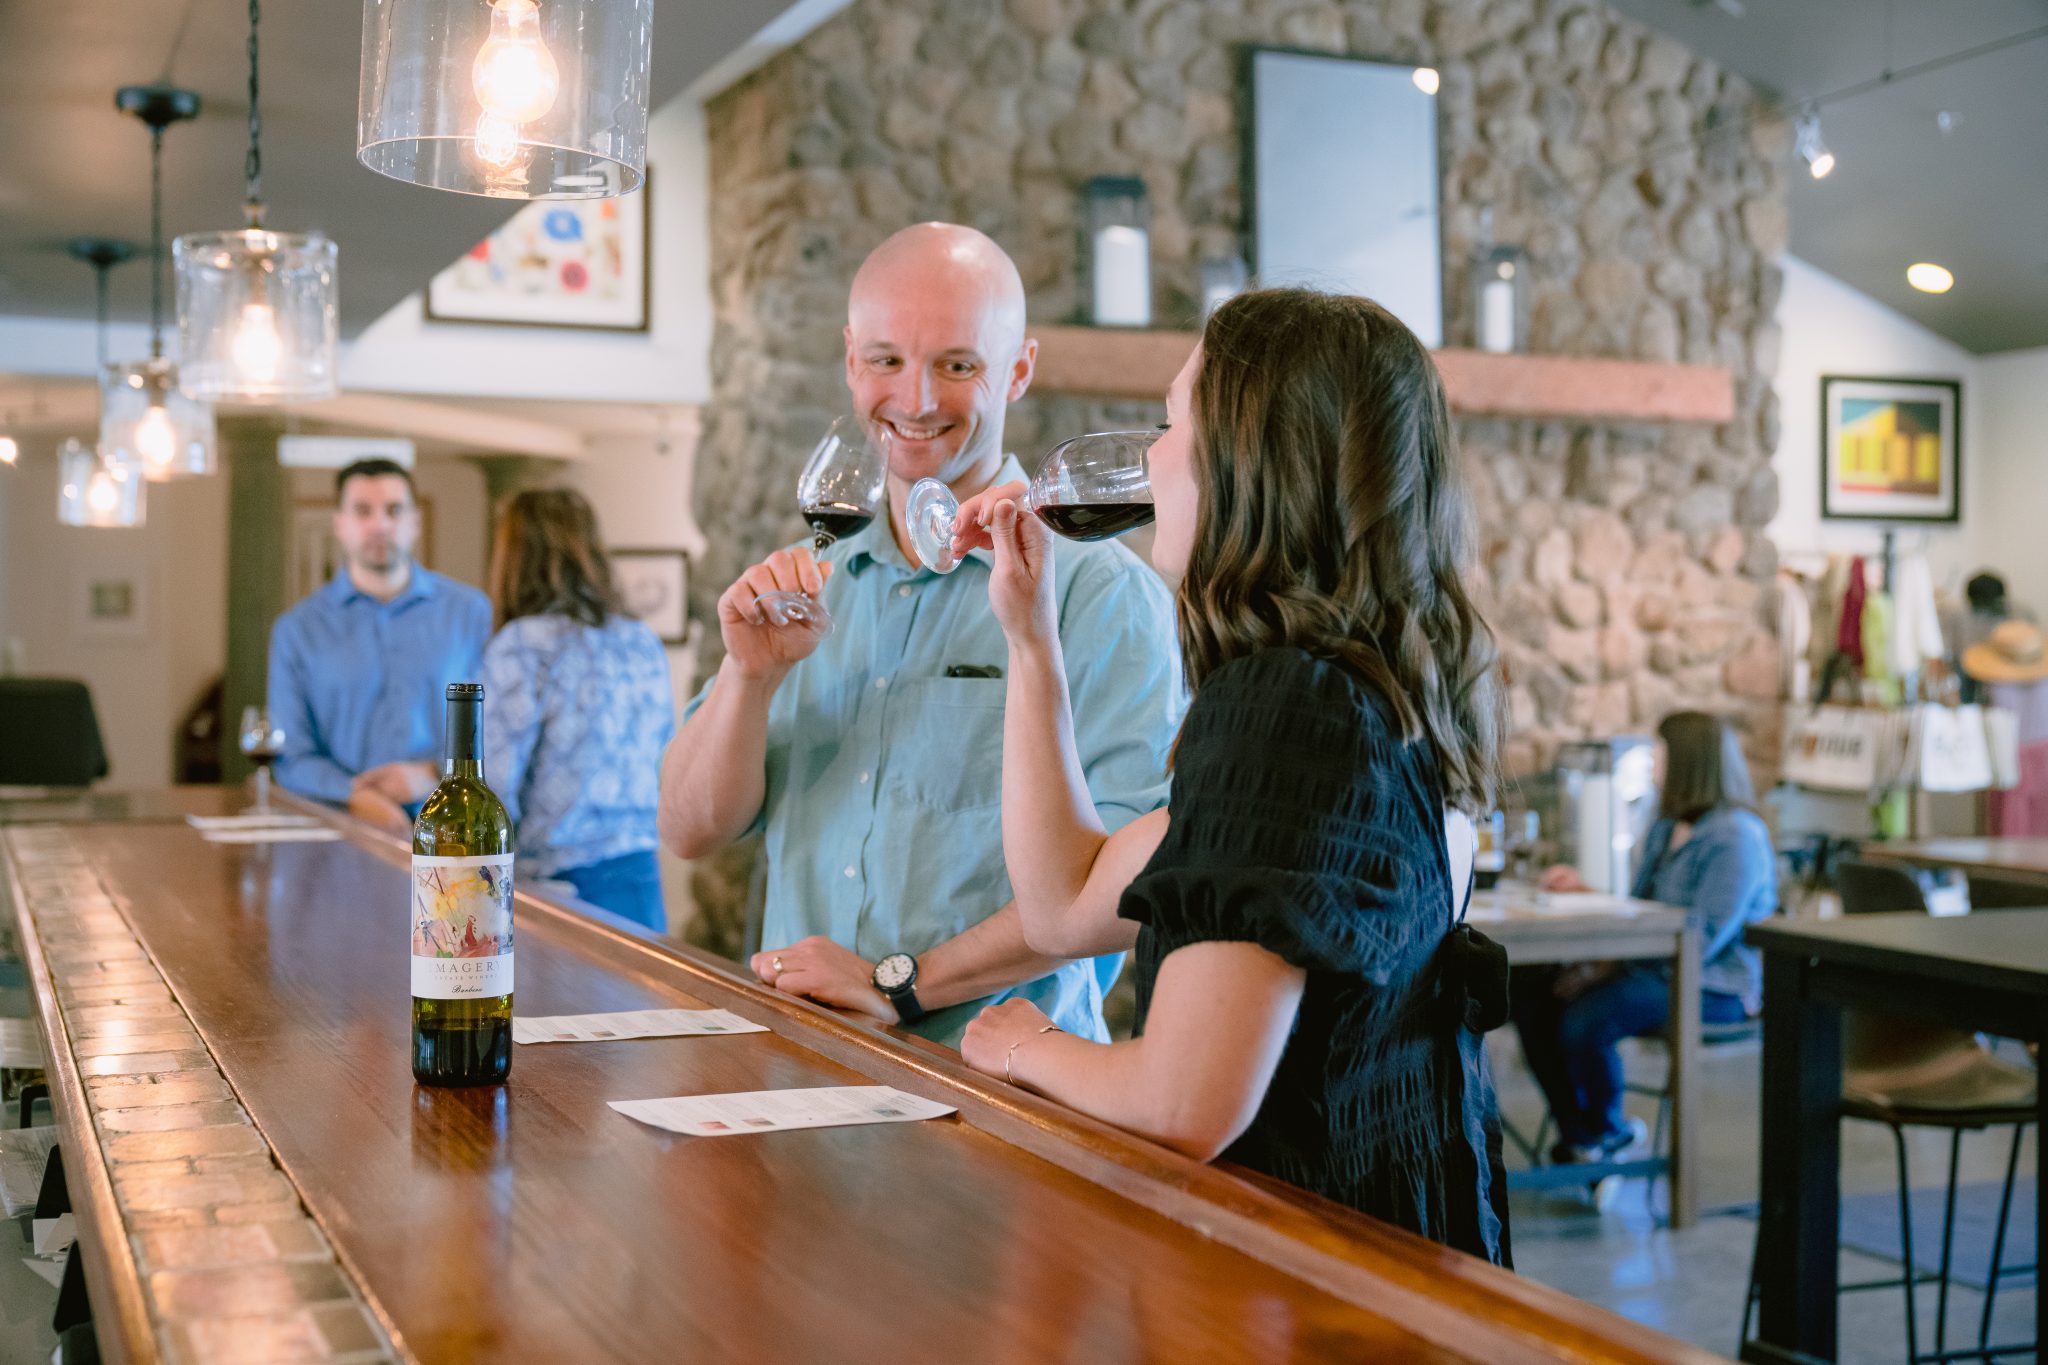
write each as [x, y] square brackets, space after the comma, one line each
[462, 915]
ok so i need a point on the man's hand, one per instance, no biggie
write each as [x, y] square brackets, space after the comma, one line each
[818, 969]
[756, 645]
[1002, 1026]
[373, 807]
[404, 783]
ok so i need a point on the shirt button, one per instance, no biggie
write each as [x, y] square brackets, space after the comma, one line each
[864, 778]
[903, 591]
[852, 872]
[881, 683]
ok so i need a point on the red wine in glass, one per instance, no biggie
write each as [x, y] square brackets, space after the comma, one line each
[832, 522]
[839, 492]
[1094, 520]
[1090, 487]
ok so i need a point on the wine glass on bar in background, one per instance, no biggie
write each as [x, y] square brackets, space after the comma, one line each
[1089, 487]
[262, 742]
[839, 493]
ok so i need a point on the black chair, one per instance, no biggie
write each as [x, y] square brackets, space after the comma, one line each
[49, 734]
[2001, 893]
[1906, 1074]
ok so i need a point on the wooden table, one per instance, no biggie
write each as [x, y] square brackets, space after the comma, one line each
[2019, 860]
[1987, 972]
[165, 805]
[252, 1163]
[1538, 928]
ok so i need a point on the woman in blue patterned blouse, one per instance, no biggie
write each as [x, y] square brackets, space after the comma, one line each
[580, 708]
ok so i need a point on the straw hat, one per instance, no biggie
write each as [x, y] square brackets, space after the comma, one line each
[2014, 652]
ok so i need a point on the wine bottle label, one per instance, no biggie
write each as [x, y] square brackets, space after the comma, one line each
[461, 927]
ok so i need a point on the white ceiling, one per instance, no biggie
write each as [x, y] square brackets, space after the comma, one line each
[1974, 200]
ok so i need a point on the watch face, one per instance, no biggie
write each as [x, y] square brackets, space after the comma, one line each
[895, 971]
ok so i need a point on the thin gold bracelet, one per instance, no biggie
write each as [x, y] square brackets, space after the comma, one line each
[1010, 1056]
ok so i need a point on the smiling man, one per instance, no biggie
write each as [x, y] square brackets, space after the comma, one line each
[872, 757]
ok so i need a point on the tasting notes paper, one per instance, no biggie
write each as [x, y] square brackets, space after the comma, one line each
[598, 1028]
[770, 1111]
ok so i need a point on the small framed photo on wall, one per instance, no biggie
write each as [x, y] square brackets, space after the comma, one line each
[654, 585]
[1891, 449]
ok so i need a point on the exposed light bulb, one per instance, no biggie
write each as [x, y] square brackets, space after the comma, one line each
[257, 348]
[100, 493]
[1807, 142]
[514, 73]
[1929, 278]
[10, 451]
[1427, 80]
[497, 140]
[156, 438]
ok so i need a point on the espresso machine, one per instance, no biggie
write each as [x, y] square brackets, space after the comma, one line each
[1606, 801]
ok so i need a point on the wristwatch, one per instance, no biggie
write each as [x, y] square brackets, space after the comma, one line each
[895, 976]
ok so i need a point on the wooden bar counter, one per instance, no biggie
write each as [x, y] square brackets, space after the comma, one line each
[257, 1177]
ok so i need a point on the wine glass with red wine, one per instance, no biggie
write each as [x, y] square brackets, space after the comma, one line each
[262, 741]
[1091, 487]
[839, 493]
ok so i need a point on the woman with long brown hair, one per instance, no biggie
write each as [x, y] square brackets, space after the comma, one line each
[1308, 1004]
[580, 708]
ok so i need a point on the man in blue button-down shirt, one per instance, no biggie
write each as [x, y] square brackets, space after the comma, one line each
[358, 671]
[872, 757]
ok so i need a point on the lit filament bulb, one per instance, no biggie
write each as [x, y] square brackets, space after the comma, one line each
[9, 451]
[100, 493]
[497, 141]
[514, 71]
[156, 438]
[257, 348]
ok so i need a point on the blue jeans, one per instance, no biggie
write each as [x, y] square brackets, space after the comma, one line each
[629, 886]
[1570, 1044]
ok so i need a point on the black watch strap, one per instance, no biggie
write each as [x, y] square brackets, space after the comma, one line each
[904, 998]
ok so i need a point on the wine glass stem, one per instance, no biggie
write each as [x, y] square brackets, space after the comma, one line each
[263, 788]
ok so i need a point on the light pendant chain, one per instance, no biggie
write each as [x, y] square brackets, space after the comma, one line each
[100, 269]
[156, 243]
[253, 168]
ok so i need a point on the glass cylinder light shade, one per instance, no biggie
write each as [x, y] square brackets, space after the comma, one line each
[94, 491]
[146, 422]
[518, 99]
[1500, 299]
[256, 316]
[1116, 220]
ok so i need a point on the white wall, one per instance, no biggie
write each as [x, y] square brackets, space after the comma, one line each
[1830, 328]
[144, 680]
[2013, 470]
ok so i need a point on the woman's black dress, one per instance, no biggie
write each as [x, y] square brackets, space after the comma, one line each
[1302, 823]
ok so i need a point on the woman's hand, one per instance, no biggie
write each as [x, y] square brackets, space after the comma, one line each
[1020, 589]
[992, 1033]
[1562, 877]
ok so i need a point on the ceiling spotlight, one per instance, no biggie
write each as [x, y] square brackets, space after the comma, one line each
[1947, 120]
[1929, 278]
[1819, 160]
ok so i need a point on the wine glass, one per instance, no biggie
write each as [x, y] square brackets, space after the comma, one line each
[839, 493]
[262, 740]
[1087, 488]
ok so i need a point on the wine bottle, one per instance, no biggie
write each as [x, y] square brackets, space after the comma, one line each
[462, 915]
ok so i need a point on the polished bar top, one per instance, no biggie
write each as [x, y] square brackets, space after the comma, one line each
[531, 1222]
[163, 805]
[2027, 858]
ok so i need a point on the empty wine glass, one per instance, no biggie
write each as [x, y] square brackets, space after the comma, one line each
[262, 740]
[1087, 488]
[839, 493]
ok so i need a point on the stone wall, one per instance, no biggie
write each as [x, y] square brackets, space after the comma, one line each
[1626, 568]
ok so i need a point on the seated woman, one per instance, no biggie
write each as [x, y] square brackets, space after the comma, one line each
[577, 710]
[1708, 851]
[1306, 1007]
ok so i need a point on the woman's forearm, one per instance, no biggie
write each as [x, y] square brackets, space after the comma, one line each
[1051, 833]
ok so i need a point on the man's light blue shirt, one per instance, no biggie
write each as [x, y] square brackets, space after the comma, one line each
[356, 682]
[883, 811]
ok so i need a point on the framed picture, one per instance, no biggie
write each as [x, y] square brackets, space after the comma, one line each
[1891, 449]
[1340, 179]
[316, 554]
[655, 586]
[557, 263]
[112, 606]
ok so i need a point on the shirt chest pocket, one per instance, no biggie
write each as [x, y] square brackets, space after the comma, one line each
[944, 741]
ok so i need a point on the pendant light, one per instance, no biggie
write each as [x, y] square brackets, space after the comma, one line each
[256, 314]
[93, 490]
[517, 99]
[144, 420]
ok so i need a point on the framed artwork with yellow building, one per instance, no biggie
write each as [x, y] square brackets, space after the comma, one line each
[1891, 449]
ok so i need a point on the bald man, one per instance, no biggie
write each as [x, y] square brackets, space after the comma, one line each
[871, 757]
